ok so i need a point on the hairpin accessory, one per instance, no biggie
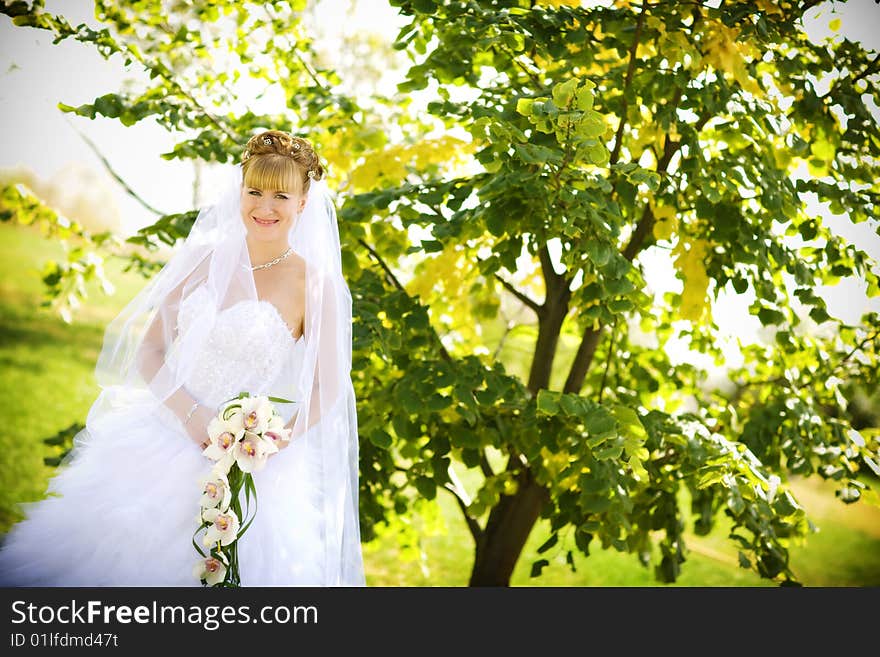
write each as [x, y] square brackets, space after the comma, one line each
[267, 141]
[296, 145]
[312, 174]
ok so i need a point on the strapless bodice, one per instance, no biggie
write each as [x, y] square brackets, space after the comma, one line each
[247, 349]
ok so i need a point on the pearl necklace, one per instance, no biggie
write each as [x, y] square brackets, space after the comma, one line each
[275, 261]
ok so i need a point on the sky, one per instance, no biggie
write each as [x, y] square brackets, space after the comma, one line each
[35, 75]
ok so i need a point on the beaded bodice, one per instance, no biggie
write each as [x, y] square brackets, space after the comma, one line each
[247, 349]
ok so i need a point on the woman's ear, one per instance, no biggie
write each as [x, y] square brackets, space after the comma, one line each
[302, 204]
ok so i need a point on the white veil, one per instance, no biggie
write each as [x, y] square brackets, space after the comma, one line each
[151, 348]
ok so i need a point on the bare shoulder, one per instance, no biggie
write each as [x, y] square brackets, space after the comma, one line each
[291, 271]
[296, 274]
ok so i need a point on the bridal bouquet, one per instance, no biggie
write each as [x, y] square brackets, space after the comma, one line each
[243, 435]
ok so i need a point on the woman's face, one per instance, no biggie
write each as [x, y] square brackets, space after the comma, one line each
[269, 215]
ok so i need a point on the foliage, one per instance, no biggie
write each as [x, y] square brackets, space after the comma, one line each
[593, 135]
[709, 115]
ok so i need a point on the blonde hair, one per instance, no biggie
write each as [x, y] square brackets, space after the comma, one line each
[275, 160]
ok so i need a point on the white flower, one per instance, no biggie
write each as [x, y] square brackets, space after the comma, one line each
[251, 452]
[223, 528]
[218, 426]
[256, 413]
[215, 491]
[276, 433]
[224, 435]
[232, 416]
[211, 569]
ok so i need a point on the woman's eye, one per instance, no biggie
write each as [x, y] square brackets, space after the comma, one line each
[254, 192]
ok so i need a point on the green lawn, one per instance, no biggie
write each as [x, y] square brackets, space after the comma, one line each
[54, 362]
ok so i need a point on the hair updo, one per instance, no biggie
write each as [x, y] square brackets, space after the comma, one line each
[274, 160]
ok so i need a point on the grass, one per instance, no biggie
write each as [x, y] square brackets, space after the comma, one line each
[844, 552]
[54, 362]
[46, 357]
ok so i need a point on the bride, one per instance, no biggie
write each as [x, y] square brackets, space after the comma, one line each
[254, 300]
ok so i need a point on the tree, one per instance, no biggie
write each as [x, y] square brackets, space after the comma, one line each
[603, 132]
[610, 131]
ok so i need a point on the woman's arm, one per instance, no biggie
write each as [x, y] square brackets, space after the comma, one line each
[151, 360]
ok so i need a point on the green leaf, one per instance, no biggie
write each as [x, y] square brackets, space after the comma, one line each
[609, 450]
[427, 487]
[819, 315]
[572, 405]
[582, 540]
[404, 427]
[563, 93]
[437, 402]
[770, 316]
[599, 422]
[599, 252]
[620, 305]
[424, 6]
[538, 566]
[524, 106]
[598, 154]
[740, 284]
[532, 154]
[584, 96]
[381, 438]
[784, 505]
[548, 402]
[549, 543]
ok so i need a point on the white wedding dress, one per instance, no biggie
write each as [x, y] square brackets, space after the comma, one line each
[123, 510]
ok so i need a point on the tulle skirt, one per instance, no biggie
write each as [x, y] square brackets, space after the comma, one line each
[123, 509]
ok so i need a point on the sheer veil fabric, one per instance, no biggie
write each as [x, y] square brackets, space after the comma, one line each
[151, 350]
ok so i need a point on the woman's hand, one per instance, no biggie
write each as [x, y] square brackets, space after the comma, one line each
[197, 427]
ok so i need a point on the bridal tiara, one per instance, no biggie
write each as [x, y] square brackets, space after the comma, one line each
[312, 173]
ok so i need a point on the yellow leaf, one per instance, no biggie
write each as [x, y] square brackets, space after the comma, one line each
[665, 221]
[690, 263]
[770, 7]
[724, 52]
[822, 148]
[441, 270]
[560, 3]
[634, 437]
[391, 165]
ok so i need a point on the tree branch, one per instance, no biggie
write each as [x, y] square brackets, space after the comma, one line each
[868, 69]
[390, 274]
[473, 525]
[618, 138]
[855, 349]
[531, 303]
[590, 339]
[399, 286]
[551, 278]
[115, 175]
[513, 58]
[608, 359]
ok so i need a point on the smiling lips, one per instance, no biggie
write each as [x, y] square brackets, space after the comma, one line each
[265, 222]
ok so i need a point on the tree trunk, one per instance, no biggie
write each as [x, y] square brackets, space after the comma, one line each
[510, 523]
